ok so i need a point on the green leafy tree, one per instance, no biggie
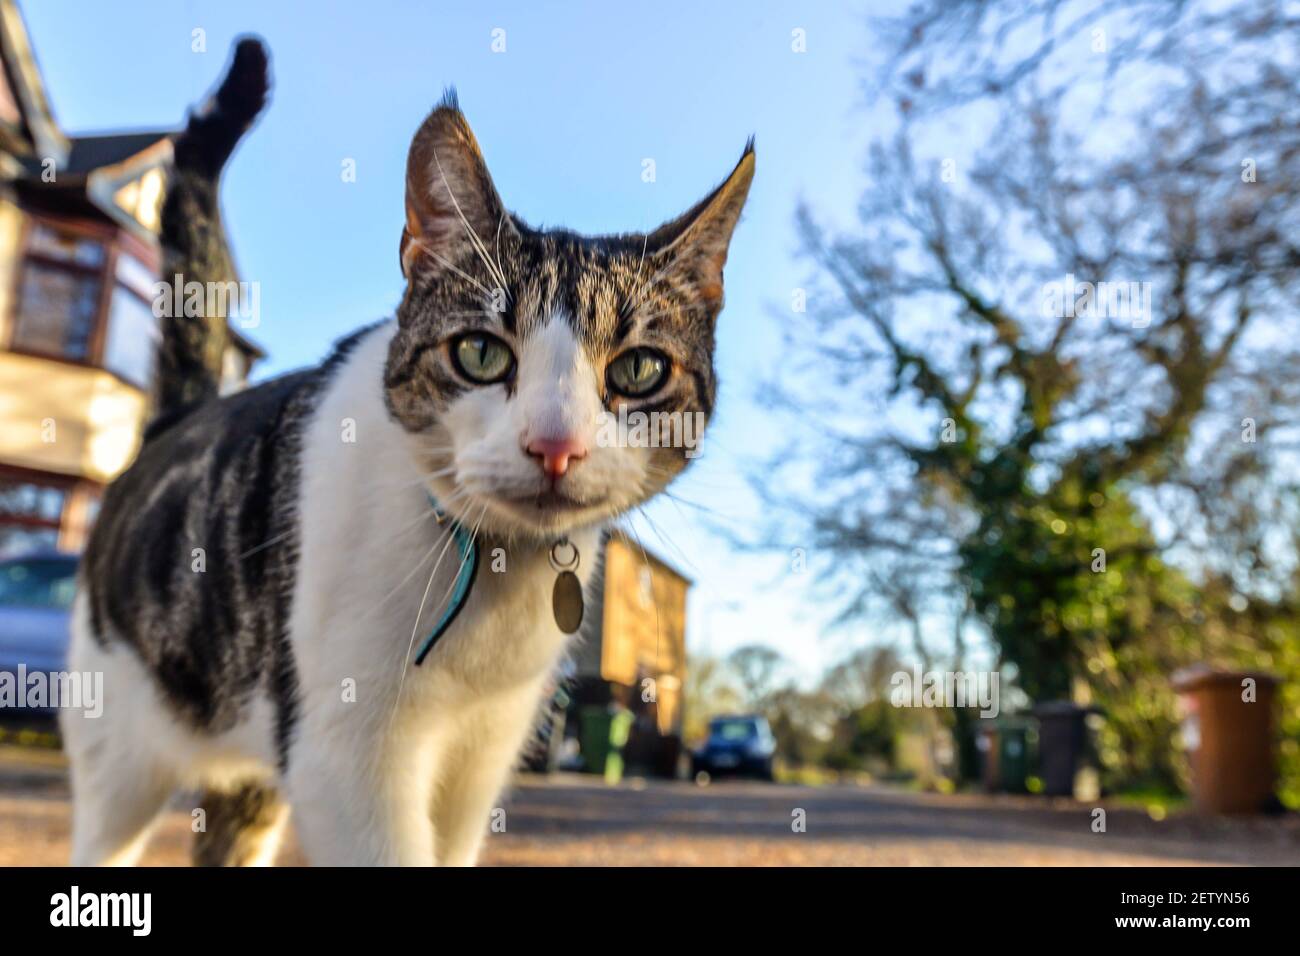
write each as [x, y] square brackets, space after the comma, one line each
[711, 689]
[1105, 480]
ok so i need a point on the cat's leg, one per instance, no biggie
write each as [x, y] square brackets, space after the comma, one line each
[242, 827]
[358, 802]
[115, 801]
[119, 783]
[476, 772]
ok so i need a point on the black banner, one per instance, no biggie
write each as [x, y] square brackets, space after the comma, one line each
[336, 905]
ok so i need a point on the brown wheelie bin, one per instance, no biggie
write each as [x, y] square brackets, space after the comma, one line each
[1229, 727]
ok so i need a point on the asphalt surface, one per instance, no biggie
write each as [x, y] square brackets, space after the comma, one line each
[573, 820]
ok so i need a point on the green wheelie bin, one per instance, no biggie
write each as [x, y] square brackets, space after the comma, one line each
[603, 734]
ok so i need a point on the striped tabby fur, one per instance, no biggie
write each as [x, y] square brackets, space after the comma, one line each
[258, 578]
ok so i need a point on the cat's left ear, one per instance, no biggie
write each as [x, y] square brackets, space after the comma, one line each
[695, 244]
[451, 202]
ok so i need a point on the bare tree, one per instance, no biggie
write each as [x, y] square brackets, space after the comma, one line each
[861, 677]
[1065, 367]
[757, 667]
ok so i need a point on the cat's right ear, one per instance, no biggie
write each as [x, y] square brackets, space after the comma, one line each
[451, 203]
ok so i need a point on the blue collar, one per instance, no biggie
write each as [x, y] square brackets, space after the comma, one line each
[467, 549]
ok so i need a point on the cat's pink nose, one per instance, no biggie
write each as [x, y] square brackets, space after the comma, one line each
[554, 454]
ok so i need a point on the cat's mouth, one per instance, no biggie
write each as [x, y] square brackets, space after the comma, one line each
[551, 502]
[550, 511]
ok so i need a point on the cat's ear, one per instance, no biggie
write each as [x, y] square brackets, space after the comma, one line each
[697, 241]
[449, 192]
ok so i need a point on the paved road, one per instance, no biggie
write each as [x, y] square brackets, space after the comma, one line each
[571, 820]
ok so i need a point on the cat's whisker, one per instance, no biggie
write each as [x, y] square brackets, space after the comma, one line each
[474, 538]
[445, 504]
[646, 559]
[665, 474]
[652, 282]
[675, 310]
[415, 628]
[630, 306]
[438, 461]
[460, 272]
[432, 513]
[459, 495]
[474, 239]
[500, 222]
[416, 524]
[712, 512]
[419, 564]
[678, 508]
[668, 478]
[422, 481]
[682, 556]
[440, 473]
[645, 244]
[266, 544]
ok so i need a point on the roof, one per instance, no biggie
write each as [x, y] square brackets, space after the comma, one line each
[244, 342]
[89, 169]
[88, 153]
[638, 548]
[35, 138]
[39, 133]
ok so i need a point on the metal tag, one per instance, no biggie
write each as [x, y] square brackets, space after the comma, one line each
[566, 602]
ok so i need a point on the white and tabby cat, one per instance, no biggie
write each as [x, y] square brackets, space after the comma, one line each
[282, 673]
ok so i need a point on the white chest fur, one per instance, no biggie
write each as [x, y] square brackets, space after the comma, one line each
[414, 757]
[369, 548]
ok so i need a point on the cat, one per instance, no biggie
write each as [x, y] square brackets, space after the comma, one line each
[258, 581]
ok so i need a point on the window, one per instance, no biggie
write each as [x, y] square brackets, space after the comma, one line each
[58, 245]
[17, 539]
[132, 333]
[132, 327]
[56, 311]
[734, 729]
[30, 514]
[58, 298]
[25, 499]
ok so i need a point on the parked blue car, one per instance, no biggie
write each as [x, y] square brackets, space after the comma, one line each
[35, 599]
[739, 746]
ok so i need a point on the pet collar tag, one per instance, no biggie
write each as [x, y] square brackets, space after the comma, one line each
[566, 596]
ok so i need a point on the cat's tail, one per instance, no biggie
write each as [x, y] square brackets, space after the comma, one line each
[191, 347]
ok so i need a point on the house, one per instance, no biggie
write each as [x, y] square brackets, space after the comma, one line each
[632, 655]
[79, 256]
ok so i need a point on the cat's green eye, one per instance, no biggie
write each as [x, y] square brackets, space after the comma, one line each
[637, 372]
[482, 358]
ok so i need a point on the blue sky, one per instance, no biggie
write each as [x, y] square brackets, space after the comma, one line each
[583, 93]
